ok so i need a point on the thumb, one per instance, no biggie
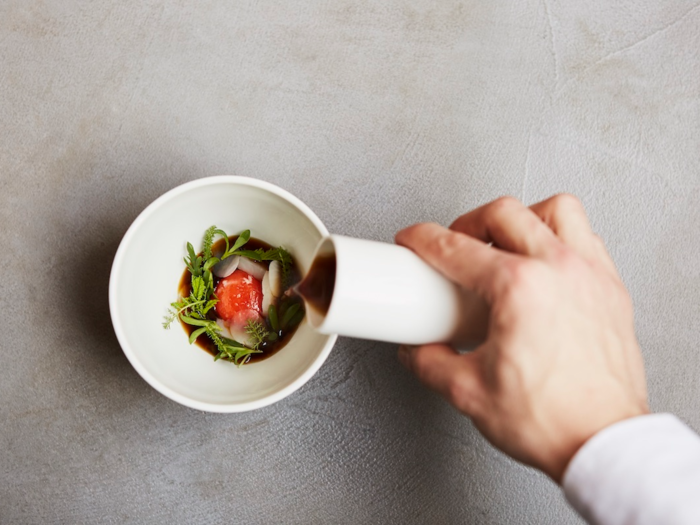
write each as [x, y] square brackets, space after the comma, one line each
[439, 367]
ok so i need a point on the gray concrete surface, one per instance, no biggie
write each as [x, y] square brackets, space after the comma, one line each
[376, 114]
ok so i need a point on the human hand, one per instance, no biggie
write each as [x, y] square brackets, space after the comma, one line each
[561, 360]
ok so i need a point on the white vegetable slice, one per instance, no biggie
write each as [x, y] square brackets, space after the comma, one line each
[240, 335]
[226, 267]
[267, 294]
[224, 328]
[276, 278]
[253, 268]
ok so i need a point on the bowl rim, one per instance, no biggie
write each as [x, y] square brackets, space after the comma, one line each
[120, 332]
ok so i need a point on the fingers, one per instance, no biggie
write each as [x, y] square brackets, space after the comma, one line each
[510, 225]
[566, 217]
[454, 376]
[460, 258]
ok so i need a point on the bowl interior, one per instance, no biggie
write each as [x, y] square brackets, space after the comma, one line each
[145, 277]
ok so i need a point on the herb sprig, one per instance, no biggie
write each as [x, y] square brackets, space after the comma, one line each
[257, 332]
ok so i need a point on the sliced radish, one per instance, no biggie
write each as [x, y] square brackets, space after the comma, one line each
[267, 294]
[276, 278]
[226, 267]
[253, 268]
[240, 335]
[224, 328]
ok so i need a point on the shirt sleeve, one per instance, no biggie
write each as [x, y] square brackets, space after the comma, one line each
[641, 471]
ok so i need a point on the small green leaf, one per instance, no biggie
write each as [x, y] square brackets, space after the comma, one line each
[223, 234]
[208, 283]
[233, 343]
[199, 288]
[255, 255]
[194, 335]
[289, 313]
[208, 241]
[242, 239]
[210, 262]
[168, 319]
[272, 316]
[210, 304]
[197, 322]
[296, 318]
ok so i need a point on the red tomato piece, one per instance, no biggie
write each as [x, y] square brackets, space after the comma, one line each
[240, 298]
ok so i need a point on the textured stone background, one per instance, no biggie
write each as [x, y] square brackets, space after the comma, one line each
[378, 115]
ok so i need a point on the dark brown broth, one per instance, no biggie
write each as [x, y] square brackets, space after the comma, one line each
[317, 287]
[285, 301]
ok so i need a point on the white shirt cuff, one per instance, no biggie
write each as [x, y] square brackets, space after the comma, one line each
[640, 471]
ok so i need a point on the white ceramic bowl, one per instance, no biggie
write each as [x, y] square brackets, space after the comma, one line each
[144, 280]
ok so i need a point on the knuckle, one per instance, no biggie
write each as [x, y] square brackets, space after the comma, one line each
[568, 260]
[566, 202]
[447, 244]
[519, 273]
[519, 281]
[502, 204]
[505, 201]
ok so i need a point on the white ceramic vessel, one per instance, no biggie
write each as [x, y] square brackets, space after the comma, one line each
[144, 280]
[387, 293]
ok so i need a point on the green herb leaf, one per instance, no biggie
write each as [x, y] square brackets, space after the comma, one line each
[194, 335]
[232, 350]
[211, 303]
[273, 254]
[198, 322]
[169, 318]
[208, 241]
[257, 332]
[242, 239]
[193, 262]
[272, 317]
[296, 318]
[233, 343]
[185, 305]
[210, 263]
[199, 288]
[289, 313]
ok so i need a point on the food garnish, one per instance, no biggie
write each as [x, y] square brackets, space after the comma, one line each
[239, 301]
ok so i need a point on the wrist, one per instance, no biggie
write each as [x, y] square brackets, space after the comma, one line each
[562, 460]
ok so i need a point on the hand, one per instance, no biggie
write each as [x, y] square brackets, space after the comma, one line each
[561, 361]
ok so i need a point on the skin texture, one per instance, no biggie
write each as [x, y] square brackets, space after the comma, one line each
[561, 360]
